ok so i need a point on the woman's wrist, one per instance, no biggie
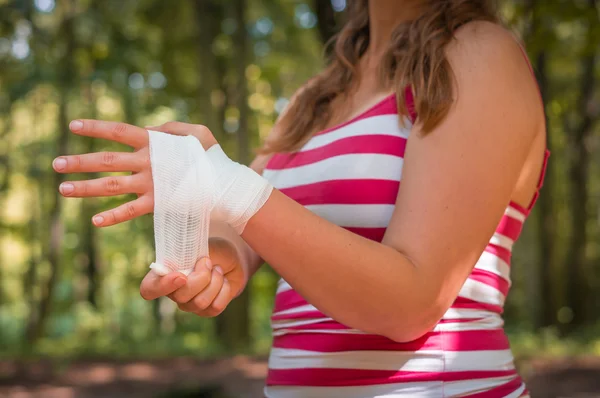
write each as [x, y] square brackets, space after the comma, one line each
[239, 191]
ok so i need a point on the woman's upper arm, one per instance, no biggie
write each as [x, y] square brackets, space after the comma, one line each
[458, 179]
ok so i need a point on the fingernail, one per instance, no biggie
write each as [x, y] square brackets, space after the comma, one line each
[59, 164]
[179, 282]
[98, 220]
[66, 188]
[76, 125]
[208, 263]
[219, 270]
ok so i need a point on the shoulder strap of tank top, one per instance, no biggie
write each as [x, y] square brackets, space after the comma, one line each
[547, 152]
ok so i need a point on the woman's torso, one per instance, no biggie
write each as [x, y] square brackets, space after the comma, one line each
[350, 175]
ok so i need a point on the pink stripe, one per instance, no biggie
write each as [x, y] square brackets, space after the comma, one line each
[460, 320]
[375, 144]
[540, 181]
[501, 391]
[466, 340]
[340, 192]
[519, 208]
[287, 300]
[510, 227]
[375, 234]
[323, 377]
[465, 303]
[490, 279]
[499, 251]
[386, 106]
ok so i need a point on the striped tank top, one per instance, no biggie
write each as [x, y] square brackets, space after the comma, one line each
[350, 175]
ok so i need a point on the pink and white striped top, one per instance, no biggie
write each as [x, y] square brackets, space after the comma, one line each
[350, 175]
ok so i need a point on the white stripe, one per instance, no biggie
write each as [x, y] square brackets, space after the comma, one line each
[375, 125]
[432, 389]
[295, 310]
[467, 313]
[343, 167]
[279, 327]
[457, 361]
[463, 387]
[282, 286]
[517, 393]
[362, 216]
[479, 291]
[481, 324]
[400, 390]
[281, 332]
[502, 241]
[420, 361]
[409, 361]
[494, 264]
[514, 213]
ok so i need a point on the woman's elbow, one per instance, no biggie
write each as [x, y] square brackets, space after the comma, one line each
[413, 326]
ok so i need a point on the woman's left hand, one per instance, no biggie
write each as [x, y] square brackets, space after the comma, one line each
[138, 163]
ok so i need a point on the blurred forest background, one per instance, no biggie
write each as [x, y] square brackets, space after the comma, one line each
[69, 292]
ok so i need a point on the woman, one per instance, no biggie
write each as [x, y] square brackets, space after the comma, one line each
[386, 292]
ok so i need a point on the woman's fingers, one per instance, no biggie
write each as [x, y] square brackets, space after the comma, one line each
[106, 186]
[174, 128]
[123, 133]
[204, 299]
[128, 211]
[197, 281]
[220, 302]
[202, 133]
[154, 286]
[102, 162]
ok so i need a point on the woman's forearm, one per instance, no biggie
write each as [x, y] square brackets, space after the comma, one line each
[361, 283]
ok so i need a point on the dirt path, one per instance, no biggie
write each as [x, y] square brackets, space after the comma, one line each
[239, 377]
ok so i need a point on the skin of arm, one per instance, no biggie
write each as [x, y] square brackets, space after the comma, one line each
[457, 182]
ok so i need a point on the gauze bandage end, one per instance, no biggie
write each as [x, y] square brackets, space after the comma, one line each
[191, 186]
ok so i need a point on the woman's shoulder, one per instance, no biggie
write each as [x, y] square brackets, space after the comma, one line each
[489, 55]
[484, 40]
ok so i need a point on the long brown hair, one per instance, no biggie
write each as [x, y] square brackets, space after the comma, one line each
[415, 58]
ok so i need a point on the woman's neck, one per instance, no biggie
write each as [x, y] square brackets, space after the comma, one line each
[384, 16]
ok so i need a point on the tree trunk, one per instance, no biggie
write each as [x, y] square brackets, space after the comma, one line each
[4, 187]
[541, 288]
[89, 246]
[36, 328]
[325, 19]
[208, 14]
[241, 39]
[546, 221]
[577, 285]
[233, 326]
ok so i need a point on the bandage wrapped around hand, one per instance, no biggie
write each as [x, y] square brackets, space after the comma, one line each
[191, 187]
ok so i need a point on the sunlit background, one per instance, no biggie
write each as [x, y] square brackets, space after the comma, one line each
[72, 322]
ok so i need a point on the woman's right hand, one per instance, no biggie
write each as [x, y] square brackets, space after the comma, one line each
[208, 290]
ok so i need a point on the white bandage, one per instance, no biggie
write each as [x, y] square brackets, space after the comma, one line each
[191, 187]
